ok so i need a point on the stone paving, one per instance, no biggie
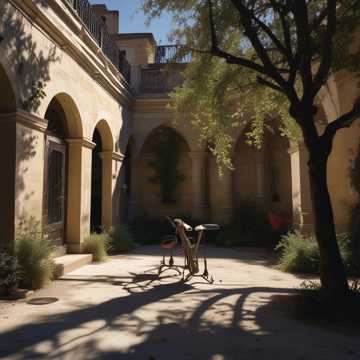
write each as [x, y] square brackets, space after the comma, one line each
[119, 310]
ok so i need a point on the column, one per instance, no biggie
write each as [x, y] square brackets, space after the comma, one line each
[21, 183]
[301, 195]
[106, 189]
[198, 182]
[78, 193]
[111, 166]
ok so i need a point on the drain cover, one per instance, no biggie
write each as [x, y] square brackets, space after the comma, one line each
[42, 301]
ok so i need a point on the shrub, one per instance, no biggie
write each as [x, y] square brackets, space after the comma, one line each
[120, 239]
[9, 272]
[249, 227]
[97, 245]
[301, 255]
[298, 255]
[349, 254]
[34, 254]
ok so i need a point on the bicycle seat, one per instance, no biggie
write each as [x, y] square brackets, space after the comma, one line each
[182, 223]
[207, 227]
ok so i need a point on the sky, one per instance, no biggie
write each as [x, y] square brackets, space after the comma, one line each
[133, 20]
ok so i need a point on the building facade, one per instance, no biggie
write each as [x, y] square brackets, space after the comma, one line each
[81, 108]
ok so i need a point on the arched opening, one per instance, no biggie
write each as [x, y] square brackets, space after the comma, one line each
[96, 184]
[165, 174]
[247, 175]
[62, 220]
[263, 176]
[55, 174]
[8, 160]
[277, 174]
[101, 178]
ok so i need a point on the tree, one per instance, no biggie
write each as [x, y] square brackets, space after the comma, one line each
[281, 51]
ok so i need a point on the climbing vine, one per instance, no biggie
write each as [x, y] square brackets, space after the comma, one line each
[165, 148]
[37, 94]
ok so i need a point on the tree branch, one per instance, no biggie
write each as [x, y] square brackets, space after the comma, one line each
[269, 84]
[230, 58]
[327, 52]
[343, 121]
[246, 17]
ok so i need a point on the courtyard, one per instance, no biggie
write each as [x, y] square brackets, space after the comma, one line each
[121, 309]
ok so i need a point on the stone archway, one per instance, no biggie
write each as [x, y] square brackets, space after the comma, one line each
[101, 178]
[263, 176]
[154, 198]
[55, 174]
[8, 160]
[62, 220]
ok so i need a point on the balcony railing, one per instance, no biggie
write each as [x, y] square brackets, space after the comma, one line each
[97, 28]
[165, 54]
[156, 81]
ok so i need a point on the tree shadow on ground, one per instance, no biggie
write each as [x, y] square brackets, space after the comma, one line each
[174, 321]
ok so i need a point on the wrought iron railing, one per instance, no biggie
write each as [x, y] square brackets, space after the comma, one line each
[155, 81]
[97, 28]
[165, 54]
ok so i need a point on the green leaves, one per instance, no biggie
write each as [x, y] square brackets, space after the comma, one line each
[286, 40]
[165, 146]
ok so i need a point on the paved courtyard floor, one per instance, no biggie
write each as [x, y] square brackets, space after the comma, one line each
[116, 310]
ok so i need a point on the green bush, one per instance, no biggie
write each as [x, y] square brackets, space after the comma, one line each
[9, 272]
[301, 255]
[249, 227]
[34, 254]
[298, 254]
[120, 239]
[349, 254]
[97, 245]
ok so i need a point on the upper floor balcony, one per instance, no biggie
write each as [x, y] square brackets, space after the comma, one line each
[97, 28]
[157, 77]
[166, 54]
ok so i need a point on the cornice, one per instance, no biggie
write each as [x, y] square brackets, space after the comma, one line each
[74, 39]
[24, 118]
[151, 104]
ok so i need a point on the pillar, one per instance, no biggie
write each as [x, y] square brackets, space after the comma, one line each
[21, 183]
[111, 166]
[106, 189]
[78, 193]
[301, 195]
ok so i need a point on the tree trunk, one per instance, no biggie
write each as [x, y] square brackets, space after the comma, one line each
[332, 271]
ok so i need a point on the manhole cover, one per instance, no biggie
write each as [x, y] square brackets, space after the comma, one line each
[42, 301]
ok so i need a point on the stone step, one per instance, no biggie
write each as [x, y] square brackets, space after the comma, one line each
[67, 263]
